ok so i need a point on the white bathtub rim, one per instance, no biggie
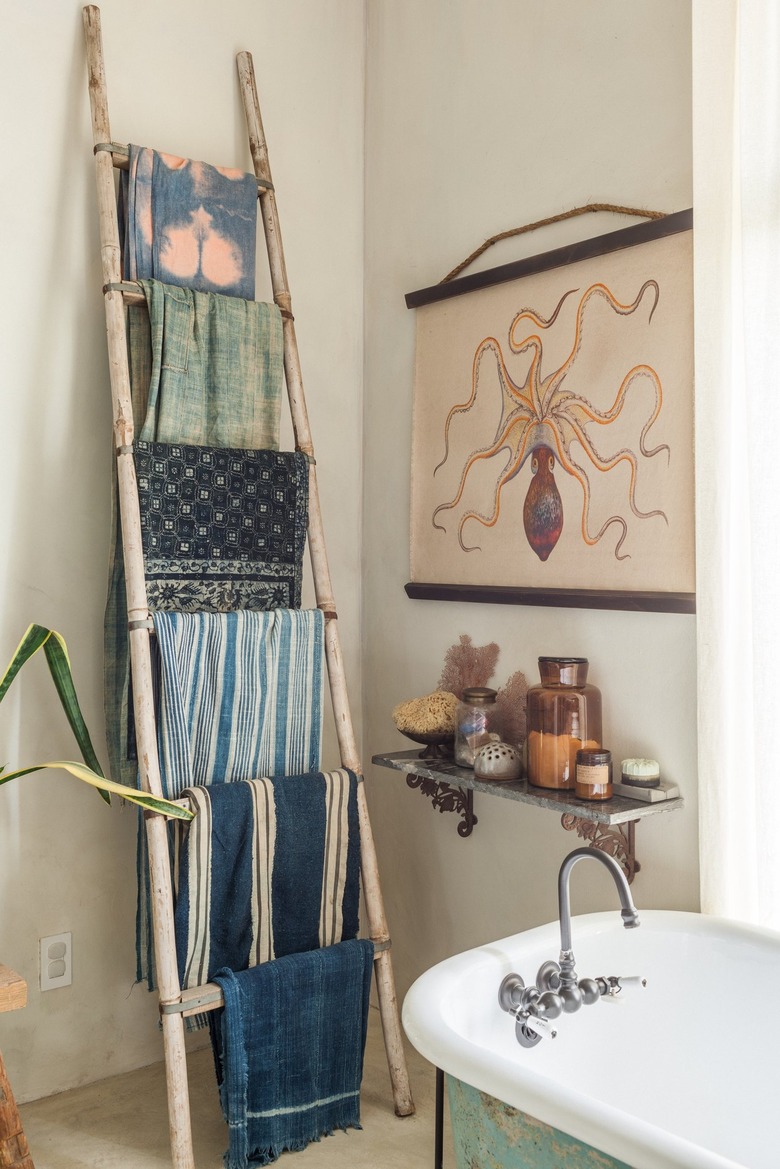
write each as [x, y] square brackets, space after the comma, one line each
[605, 1127]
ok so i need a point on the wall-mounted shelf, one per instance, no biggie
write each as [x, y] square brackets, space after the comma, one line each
[607, 825]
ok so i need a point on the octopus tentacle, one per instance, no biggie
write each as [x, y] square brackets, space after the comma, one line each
[607, 463]
[537, 318]
[510, 470]
[485, 453]
[620, 308]
[578, 473]
[603, 418]
[508, 388]
[582, 479]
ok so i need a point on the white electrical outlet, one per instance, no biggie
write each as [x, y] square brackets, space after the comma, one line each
[56, 961]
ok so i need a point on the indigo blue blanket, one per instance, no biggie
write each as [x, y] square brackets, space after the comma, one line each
[189, 223]
[289, 1049]
[267, 868]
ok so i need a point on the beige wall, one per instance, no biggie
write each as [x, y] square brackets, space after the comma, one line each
[481, 117]
[66, 861]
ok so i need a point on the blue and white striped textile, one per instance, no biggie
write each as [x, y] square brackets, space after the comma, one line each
[267, 868]
[240, 695]
[289, 1048]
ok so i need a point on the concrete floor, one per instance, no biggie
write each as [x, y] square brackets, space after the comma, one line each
[122, 1123]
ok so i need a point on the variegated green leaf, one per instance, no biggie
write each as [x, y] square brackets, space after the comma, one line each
[142, 799]
[56, 651]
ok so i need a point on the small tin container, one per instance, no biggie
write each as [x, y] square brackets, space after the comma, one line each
[593, 775]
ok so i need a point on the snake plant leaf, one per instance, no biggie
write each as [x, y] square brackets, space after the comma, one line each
[33, 640]
[56, 651]
[59, 666]
[142, 799]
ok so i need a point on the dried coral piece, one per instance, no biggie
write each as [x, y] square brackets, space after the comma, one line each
[511, 701]
[468, 665]
[429, 715]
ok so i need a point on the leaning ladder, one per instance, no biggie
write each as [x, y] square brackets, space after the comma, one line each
[175, 1004]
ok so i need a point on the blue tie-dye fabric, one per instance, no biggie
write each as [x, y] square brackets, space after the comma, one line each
[189, 223]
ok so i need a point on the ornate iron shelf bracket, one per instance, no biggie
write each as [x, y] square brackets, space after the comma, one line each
[446, 798]
[617, 841]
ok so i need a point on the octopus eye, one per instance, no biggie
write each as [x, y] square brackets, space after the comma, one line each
[551, 462]
[534, 465]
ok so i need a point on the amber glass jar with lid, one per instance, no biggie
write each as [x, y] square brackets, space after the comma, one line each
[564, 717]
[478, 723]
[593, 776]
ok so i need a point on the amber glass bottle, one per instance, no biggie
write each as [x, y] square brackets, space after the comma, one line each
[564, 717]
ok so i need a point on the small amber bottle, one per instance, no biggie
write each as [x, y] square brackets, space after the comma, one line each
[593, 775]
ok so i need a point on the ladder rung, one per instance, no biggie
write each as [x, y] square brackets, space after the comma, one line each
[120, 157]
[131, 290]
[197, 1000]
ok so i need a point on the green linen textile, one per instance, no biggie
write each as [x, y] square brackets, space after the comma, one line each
[207, 370]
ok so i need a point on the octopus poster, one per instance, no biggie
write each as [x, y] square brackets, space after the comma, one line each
[553, 421]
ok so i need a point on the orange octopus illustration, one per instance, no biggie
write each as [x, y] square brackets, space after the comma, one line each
[543, 421]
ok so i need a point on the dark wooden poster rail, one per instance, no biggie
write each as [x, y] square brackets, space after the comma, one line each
[554, 598]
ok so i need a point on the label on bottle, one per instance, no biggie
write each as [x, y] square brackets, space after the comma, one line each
[592, 776]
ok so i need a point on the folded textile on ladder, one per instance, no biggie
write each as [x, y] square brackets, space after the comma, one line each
[239, 696]
[289, 1045]
[205, 368]
[222, 529]
[267, 868]
[189, 223]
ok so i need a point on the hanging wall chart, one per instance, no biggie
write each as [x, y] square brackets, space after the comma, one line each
[552, 455]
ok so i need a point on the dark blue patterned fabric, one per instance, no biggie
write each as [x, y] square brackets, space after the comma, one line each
[289, 1049]
[222, 529]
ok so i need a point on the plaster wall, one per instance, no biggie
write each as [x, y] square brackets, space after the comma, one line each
[478, 117]
[66, 861]
[482, 117]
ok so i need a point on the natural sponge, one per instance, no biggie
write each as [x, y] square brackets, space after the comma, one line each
[430, 715]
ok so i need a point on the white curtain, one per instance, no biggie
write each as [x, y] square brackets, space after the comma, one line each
[736, 130]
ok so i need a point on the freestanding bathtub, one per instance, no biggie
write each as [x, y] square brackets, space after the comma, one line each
[683, 1074]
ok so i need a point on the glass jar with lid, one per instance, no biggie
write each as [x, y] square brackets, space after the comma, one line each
[477, 723]
[564, 717]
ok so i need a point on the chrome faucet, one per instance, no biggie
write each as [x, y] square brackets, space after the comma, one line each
[557, 988]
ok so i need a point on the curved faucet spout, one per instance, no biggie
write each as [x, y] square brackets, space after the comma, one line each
[628, 910]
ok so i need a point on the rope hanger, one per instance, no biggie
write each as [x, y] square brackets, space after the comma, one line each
[494, 239]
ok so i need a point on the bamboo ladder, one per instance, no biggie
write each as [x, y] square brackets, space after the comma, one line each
[175, 1004]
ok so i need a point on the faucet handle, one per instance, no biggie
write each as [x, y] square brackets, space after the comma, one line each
[510, 993]
[611, 987]
[548, 976]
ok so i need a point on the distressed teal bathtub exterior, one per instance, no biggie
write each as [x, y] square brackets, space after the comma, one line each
[489, 1134]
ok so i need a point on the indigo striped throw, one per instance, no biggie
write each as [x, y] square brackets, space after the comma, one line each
[267, 868]
[240, 695]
